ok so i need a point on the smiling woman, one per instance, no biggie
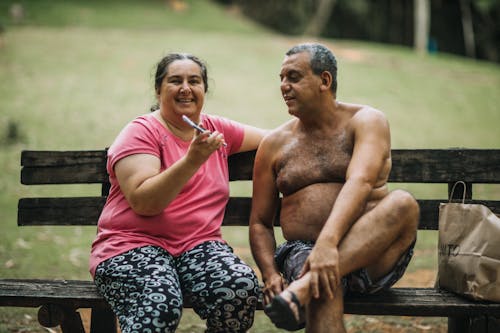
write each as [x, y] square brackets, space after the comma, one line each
[159, 232]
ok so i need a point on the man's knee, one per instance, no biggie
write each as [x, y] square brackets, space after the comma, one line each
[405, 203]
[405, 208]
[405, 214]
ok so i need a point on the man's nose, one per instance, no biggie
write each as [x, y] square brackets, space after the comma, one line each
[284, 85]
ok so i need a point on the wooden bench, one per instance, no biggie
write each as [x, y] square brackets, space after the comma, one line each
[59, 299]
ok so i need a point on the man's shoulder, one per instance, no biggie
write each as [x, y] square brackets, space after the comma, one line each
[282, 131]
[278, 136]
[366, 113]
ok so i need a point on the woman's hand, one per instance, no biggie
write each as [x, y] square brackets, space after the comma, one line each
[203, 145]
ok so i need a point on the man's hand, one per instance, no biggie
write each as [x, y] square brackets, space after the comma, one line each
[323, 266]
[273, 286]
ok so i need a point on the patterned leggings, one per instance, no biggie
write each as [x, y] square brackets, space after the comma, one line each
[146, 287]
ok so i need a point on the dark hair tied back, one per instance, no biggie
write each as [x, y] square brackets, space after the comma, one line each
[162, 70]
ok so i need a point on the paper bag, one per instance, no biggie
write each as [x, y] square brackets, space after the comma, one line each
[469, 250]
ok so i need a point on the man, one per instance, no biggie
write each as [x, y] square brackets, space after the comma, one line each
[345, 230]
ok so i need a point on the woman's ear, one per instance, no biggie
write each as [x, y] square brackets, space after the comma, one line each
[326, 81]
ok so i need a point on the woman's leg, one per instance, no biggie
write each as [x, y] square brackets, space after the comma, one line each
[143, 290]
[222, 288]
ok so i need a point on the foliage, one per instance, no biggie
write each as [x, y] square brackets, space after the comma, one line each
[288, 16]
[386, 21]
[145, 14]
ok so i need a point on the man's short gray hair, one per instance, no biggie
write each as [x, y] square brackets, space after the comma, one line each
[322, 59]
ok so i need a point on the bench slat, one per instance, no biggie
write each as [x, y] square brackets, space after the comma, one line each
[409, 166]
[445, 165]
[86, 211]
[63, 167]
[59, 211]
[396, 301]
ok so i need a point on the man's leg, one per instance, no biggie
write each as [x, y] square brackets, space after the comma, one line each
[380, 237]
[326, 315]
[376, 241]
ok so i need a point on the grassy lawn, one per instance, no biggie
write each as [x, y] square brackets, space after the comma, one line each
[73, 73]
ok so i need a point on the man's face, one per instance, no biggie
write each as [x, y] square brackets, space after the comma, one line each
[300, 88]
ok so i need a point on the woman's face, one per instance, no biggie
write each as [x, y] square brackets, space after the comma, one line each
[182, 90]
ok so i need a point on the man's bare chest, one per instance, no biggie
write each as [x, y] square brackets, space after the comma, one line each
[306, 161]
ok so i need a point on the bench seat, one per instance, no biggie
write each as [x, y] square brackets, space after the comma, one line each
[396, 301]
[59, 300]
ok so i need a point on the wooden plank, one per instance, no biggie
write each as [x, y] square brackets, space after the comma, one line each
[425, 165]
[409, 165]
[54, 158]
[426, 302]
[63, 167]
[59, 211]
[445, 165]
[86, 211]
[241, 166]
[76, 174]
[398, 301]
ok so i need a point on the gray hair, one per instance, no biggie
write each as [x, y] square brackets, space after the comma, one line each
[322, 59]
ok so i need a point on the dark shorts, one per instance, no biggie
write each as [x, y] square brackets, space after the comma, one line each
[290, 257]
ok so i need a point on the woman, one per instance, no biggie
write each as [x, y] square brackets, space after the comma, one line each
[159, 237]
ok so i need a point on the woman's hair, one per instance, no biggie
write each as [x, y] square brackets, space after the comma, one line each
[164, 63]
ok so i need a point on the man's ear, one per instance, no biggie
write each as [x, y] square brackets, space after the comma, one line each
[326, 81]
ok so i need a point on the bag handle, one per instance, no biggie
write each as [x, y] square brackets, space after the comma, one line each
[453, 190]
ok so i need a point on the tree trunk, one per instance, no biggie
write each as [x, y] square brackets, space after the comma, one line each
[320, 18]
[470, 44]
[421, 24]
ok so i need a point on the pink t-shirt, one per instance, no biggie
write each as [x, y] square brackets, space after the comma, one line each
[193, 217]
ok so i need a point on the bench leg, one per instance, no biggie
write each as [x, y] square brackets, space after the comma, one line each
[102, 320]
[493, 324]
[51, 315]
[72, 322]
[482, 324]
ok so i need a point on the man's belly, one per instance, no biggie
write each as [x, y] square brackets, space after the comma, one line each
[304, 212]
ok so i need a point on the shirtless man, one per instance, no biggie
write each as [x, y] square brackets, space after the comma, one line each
[345, 230]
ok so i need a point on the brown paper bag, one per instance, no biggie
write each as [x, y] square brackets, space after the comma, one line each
[469, 250]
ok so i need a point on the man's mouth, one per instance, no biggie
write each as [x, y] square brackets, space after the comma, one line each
[288, 98]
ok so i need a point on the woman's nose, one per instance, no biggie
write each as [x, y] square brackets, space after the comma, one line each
[184, 87]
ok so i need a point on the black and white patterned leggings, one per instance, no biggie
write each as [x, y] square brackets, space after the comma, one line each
[146, 287]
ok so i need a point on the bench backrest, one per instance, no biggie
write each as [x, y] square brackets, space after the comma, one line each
[473, 166]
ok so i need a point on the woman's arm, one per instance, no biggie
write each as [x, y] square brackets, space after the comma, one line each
[251, 138]
[148, 189]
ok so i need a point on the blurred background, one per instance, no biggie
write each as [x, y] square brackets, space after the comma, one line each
[74, 72]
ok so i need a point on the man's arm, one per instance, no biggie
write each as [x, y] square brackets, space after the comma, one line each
[370, 153]
[264, 206]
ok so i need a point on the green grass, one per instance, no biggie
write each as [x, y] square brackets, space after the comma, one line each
[73, 73]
